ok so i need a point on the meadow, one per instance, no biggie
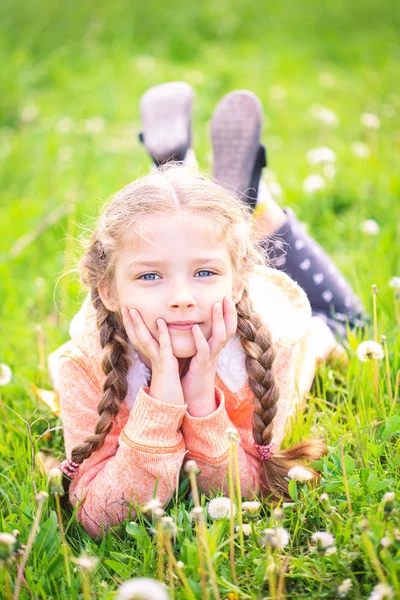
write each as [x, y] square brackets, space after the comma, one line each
[327, 74]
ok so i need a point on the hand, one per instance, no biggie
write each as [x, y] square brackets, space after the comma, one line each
[165, 380]
[198, 384]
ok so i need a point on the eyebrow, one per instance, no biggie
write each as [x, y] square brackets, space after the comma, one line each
[156, 263]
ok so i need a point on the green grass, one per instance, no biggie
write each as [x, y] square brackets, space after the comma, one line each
[88, 59]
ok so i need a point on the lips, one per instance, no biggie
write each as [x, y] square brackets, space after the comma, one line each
[186, 327]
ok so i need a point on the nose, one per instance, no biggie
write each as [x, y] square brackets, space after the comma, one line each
[181, 297]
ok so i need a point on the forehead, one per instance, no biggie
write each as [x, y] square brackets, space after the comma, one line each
[180, 236]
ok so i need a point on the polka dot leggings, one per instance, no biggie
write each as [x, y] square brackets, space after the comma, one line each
[294, 252]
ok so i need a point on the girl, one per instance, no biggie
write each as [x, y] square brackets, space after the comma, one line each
[185, 333]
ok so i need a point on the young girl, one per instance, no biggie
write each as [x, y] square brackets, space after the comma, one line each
[185, 333]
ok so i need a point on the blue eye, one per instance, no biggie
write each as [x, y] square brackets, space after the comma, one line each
[146, 274]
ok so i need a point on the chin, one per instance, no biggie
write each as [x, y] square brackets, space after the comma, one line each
[184, 352]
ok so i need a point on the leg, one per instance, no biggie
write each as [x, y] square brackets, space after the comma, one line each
[235, 130]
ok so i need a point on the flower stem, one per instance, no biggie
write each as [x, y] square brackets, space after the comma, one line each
[232, 516]
[239, 499]
[63, 540]
[345, 481]
[7, 583]
[87, 592]
[374, 295]
[369, 548]
[160, 552]
[271, 572]
[180, 572]
[27, 550]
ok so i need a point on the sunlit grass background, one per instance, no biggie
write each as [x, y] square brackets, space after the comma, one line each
[71, 79]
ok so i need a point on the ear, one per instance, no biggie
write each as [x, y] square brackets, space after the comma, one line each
[108, 299]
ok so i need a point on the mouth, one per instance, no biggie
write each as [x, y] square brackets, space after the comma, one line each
[182, 326]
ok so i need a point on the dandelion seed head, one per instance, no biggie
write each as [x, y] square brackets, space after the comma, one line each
[219, 508]
[64, 125]
[141, 588]
[41, 497]
[382, 591]
[386, 542]
[86, 562]
[323, 539]
[7, 545]
[317, 156]
[232, 434]
[151, 505]
[344, 588]
[299, 473]
[5, 374]
[29, 113]
[191, 467]
[251, 507]
[370, 227]
[313, 183]
[395, 283]
[277, 537]
[370, 121]
[324, 115]
[360, 150]
[370, 350]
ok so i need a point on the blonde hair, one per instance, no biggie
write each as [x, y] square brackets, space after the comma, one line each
[170, 190]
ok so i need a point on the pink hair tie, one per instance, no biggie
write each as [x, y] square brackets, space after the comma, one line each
[69, 468]
[265, 452]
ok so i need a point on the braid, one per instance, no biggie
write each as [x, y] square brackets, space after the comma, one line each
[115, 363]
[260, 354]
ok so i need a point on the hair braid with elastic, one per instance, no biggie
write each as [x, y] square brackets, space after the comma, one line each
[260, 354]
[115, 363]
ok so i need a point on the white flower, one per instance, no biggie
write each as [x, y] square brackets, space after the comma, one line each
[370, 350]
[299, 473]
[370, 227]
[276, 537]
[191, 467]
[325, 115]
[232, 434]
[64, 125]
[316, 156]
[344, 588]
[370, 120]
[313, 183]
[330, 550]
[152, 504]
[219, 508]
[360, 150]
[381, 591]
[29, 113]
[278, 93]
[395, 283]
[86, 562]
[5, 374]
[251, 507]
[246, 529]
[141, 588]
[386, 542]
[7, 545]
[326, 80]
[323, 539]
[95, 125]
[64, 154]
[388, 497]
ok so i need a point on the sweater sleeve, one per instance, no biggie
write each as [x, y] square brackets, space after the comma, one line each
[145, 452]
[207, 443]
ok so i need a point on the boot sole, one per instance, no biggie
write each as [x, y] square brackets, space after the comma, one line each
[166, 112]
[235, 135]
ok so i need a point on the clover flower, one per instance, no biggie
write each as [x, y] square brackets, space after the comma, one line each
[316, 156]
[246, 527]
[141, 588]
[370, 121]
[313, 183]
[5, 374]
[151, 505]
[388, 501]
[277, 537]
[370, 350]
[370, 227]
[382, 591]
[323, 539]
[169, 525]
[197, 513]
[300, 474]
[220, 508]
[8, 545]
[386, 542]
[326, 505]
[344, 588]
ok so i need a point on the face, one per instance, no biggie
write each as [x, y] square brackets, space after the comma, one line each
[193, 272]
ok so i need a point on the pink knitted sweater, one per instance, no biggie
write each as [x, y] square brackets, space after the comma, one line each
[151, 439]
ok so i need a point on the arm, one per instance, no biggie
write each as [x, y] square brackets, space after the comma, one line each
[208, 444]
[143, 447]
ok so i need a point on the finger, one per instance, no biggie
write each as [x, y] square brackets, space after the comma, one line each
[230, 316]
[202, 344]
[164, 336]
[144, 337]
[129, 326]
[218, 337]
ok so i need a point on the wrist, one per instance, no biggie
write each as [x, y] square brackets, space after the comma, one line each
[202, 406]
